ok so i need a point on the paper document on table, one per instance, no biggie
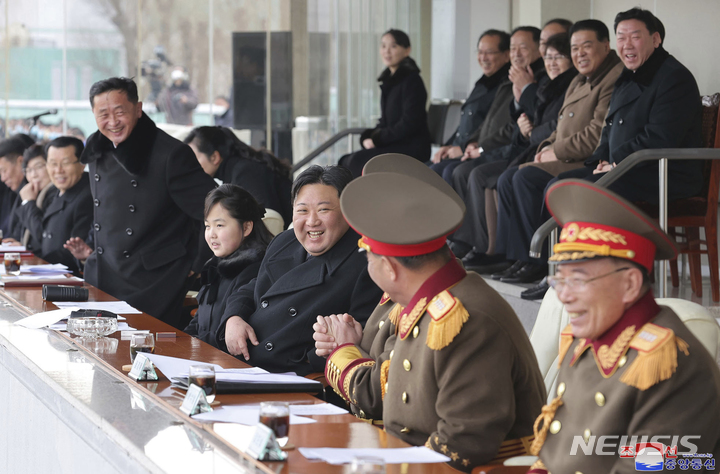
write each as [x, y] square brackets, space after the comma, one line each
[266, 377]
[417, 454]
[46, 318]
[174, 366]
[244, 415]
[12, 248]
[117, 307]
[310, 409]
[49, 268]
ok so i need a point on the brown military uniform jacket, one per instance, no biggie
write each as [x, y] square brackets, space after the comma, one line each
[462, 378]
[377, 342]
[581, 118]
[627, 384]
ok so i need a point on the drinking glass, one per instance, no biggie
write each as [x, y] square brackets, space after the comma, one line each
[204, 377]
[141, 343]
[276, 416]
[12, 263]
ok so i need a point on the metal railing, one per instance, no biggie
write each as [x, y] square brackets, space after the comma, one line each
[330, 142]
[660, 154]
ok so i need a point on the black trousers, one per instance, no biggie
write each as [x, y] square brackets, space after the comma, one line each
[356, 161]
[476, 228]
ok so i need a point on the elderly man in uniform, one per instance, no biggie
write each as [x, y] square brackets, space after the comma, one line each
[628, 367]
[149, 192]
[462, 378]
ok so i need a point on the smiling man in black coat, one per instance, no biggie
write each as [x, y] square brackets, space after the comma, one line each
[310, 270]
[69, 211]
[148, 192]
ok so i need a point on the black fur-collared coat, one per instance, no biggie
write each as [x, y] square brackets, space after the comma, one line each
[290, 291]
[149, 195]
[222, 276]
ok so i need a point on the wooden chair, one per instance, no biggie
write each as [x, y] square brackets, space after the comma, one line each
[700, 211]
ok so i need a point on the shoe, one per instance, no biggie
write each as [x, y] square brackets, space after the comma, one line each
[473, 258]
[459, 249]
[509, 271]
[489, 264]
[536, 292]
[529, 273]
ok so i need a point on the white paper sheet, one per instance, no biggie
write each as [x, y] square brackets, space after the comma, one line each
[417, 454]
[175, 367]
[244, 415]
[260, 378]
[117, 307]
[12, 248]
[316, 409]
[46, 318]
[49, 268]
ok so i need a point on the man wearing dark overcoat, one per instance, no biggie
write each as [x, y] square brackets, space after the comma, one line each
[312, 269]
[630, 370]
[148, 193]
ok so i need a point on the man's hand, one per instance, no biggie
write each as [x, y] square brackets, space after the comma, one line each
[10, 241]
[440, 155]
[78, 248]
[471, 153]
[524, 125]
[237, 333]
[344, 329]
[520, 78]
[546, 156]
[30, 192]
[324, 341]
[368, 143]
[603, 167]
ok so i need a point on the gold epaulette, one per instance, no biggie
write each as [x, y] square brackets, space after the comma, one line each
[566, 340]
[448, 317]
[395, 314]
[657, 356]
[384, 370]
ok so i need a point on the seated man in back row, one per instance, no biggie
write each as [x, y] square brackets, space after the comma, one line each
[312, 269]
[655, 104]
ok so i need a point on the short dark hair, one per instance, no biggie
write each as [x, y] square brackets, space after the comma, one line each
[600, 29]
[412, 263]
[400, 37]
[336, 176]
[535, 32]
[504, 44]
[243, 207]
[65, 141]
[33, 151]
[12, 148]
[645, 16]
[124, 84]
[561, 43]
[566, 24]
[25, 138]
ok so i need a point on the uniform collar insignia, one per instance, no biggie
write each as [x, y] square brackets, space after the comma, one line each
[385, 298]
[609, 348]
[451, 273]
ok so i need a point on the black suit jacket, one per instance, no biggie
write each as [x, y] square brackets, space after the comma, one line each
[69, 215]
[149, 195]
[656, 107]
[291, 290]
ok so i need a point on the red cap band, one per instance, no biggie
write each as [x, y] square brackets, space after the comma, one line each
[404, 250]
[581, 240]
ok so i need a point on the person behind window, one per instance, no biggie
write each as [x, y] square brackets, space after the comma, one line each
[37, 190]
[226, 158]
[235, 233]
[402, 127]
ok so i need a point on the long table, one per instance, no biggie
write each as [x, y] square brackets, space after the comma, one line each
[91, 417]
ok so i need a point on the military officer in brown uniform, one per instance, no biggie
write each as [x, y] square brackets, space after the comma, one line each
[628, 367]
[462, 378]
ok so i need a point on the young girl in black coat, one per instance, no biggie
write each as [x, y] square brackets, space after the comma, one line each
[235, 232]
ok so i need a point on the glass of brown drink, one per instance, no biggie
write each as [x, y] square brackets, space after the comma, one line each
[276, 416]
[204, 377]
[12, 263]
